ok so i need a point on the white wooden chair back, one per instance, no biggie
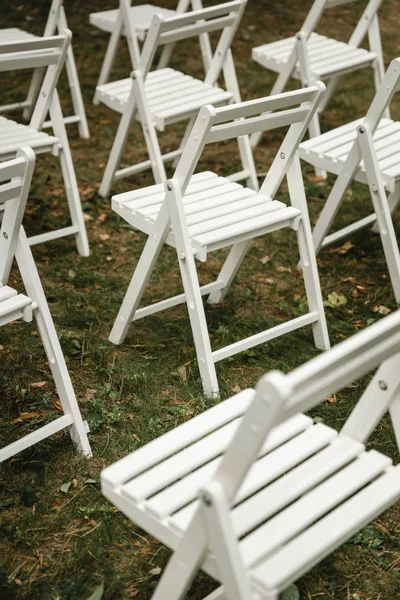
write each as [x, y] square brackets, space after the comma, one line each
[47, 52]
[163, 32]
[15, 178]
[292, 111]
[365, 22]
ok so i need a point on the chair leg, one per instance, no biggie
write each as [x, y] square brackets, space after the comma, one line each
[108, 59]
[229, 270]
[68, 172]
[51, 344]
[191, 287]
[393, 202]
[140, 277]
[307, 255]
[76, 95]
[73, 80]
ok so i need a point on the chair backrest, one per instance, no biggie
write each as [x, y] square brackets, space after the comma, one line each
[15, 181]
[290, 110]
[278, 397]
[366, 20]
[47, 52]
[166, 31]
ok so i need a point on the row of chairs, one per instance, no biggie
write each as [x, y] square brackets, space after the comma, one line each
[252, 491]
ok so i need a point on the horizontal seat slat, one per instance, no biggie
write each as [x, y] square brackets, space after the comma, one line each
[315, 543]
[234, 217]
[312, 506]
[249, 225]
[184, 491]
[269, 467]
[14, 304]
[7, 292]
[176, 439]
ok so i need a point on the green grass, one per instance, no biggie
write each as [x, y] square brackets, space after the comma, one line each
[57, 545]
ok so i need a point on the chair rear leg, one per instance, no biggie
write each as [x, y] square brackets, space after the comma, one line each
[109, 57]
[229, 269]
[51, 344]
[307, 255]
[393, 202]
[76, 95]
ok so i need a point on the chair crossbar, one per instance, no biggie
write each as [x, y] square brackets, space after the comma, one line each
[262, 123]
[195, 15]
[346, 231]
[175, 300]
[10, 62]
[255, 107]
[196, 29]
[32, 45]
[265, 336]
[11, 169]
[332, 371]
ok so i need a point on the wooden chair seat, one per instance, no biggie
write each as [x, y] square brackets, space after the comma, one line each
[326, 55]
[14, 306]
[217, 210]
[309, 490]
[141, 16]
[330, 150]
[14, 135]
[171, 95]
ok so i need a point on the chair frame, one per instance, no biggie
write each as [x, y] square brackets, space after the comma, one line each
[13, 243]
[164, 32]
[363, 150]
[56, 23]
[36, 54]
[123, 18]
[210, 542]
[213, 125]
[368, 24]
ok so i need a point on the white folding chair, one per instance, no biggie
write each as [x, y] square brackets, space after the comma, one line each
[112, 21]
[15, 179]
[50, 54]
[368, 151]
[255, 493]
[203, 212]
[309, 56]
[163, 96]
[56, 23]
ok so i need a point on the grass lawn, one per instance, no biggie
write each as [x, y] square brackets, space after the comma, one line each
[59, 537]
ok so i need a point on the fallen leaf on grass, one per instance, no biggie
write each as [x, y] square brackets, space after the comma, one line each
[342, 249]
[335, 300]
[382, 310]
[38, 384]
[283, 269]
[65, 487]
[236, 389]
[332, 399]
[25, 416]
[265, 260]
[182, 373]
[155, 571]
[104, 237]
[57, 404]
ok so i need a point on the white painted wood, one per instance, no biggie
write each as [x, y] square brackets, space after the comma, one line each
[284, 492]
[199, 213]
[309, 56]
[15, 306]
[47, 56]
[367, 151]
[151, 96]
[56, 23]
